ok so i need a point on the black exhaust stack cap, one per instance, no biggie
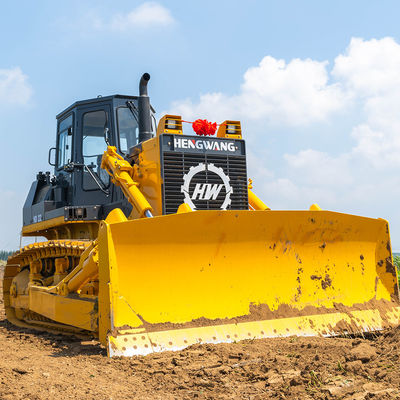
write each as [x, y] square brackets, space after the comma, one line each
[144, 109]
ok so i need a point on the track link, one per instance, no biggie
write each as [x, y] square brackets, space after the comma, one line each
[49, 249]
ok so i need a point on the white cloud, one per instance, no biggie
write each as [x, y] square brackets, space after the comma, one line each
[254, 163]
[149, 18]
[304, 92]
[294, 93]
[359, 170]
[14, 87]
[369, 67]
[147, 15]
[371, 70]
[320, 169]
[297, 92]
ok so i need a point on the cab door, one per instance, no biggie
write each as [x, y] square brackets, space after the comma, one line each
[65, 156]
[95, 130]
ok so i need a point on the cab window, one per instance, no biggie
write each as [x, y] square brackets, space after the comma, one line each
[128, 129]
[93, 147]
[93, 144]
[64, 142]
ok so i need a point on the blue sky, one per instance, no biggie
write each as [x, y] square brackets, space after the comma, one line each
[315, 84]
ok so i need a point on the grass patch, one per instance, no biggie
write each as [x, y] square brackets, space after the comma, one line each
[396, 262]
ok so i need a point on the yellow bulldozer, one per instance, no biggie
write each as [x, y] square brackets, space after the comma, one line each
[155, 241]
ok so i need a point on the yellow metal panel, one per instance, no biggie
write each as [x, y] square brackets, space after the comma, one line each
[21, 301]
[148, 174]
[72, 310]
[170, 124]
[217, 267]
[116, 215]
[30, 230]
[11, 270]
[106, 263]
[230, 130]
[184, 208]
[7, 283]
[40, 226]
[109, 295]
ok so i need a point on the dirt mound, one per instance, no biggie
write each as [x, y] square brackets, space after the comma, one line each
[45, 366]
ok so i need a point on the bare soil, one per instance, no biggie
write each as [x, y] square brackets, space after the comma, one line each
[45, 366]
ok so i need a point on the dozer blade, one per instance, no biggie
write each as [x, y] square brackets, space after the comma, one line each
[208, 277]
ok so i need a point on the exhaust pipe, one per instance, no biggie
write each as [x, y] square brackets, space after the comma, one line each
[144, 109]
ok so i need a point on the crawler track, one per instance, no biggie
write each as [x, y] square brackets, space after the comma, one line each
[21, 259]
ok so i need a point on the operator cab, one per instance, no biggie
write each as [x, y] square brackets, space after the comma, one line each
[81, 189]
[84, 131]
[111, 119]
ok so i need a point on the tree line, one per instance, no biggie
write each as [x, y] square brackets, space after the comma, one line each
[4, 254]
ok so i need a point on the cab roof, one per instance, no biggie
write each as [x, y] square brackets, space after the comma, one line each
[97, 100]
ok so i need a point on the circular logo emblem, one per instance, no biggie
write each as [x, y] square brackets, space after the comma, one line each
[209, 184]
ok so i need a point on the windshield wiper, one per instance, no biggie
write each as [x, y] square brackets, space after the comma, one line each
[134, 110]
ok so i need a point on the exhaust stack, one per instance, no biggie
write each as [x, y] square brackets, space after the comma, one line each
[144, 109]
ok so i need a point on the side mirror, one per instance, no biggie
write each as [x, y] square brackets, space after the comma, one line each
[52, 156]
[70, 131]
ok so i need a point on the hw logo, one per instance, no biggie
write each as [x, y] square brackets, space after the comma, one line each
[206, 191]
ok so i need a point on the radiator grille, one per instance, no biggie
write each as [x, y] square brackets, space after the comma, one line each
[178, 164]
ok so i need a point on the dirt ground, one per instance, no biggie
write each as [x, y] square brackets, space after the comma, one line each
[46, 366]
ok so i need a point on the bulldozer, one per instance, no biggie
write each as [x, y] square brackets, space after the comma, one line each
[155, 241]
